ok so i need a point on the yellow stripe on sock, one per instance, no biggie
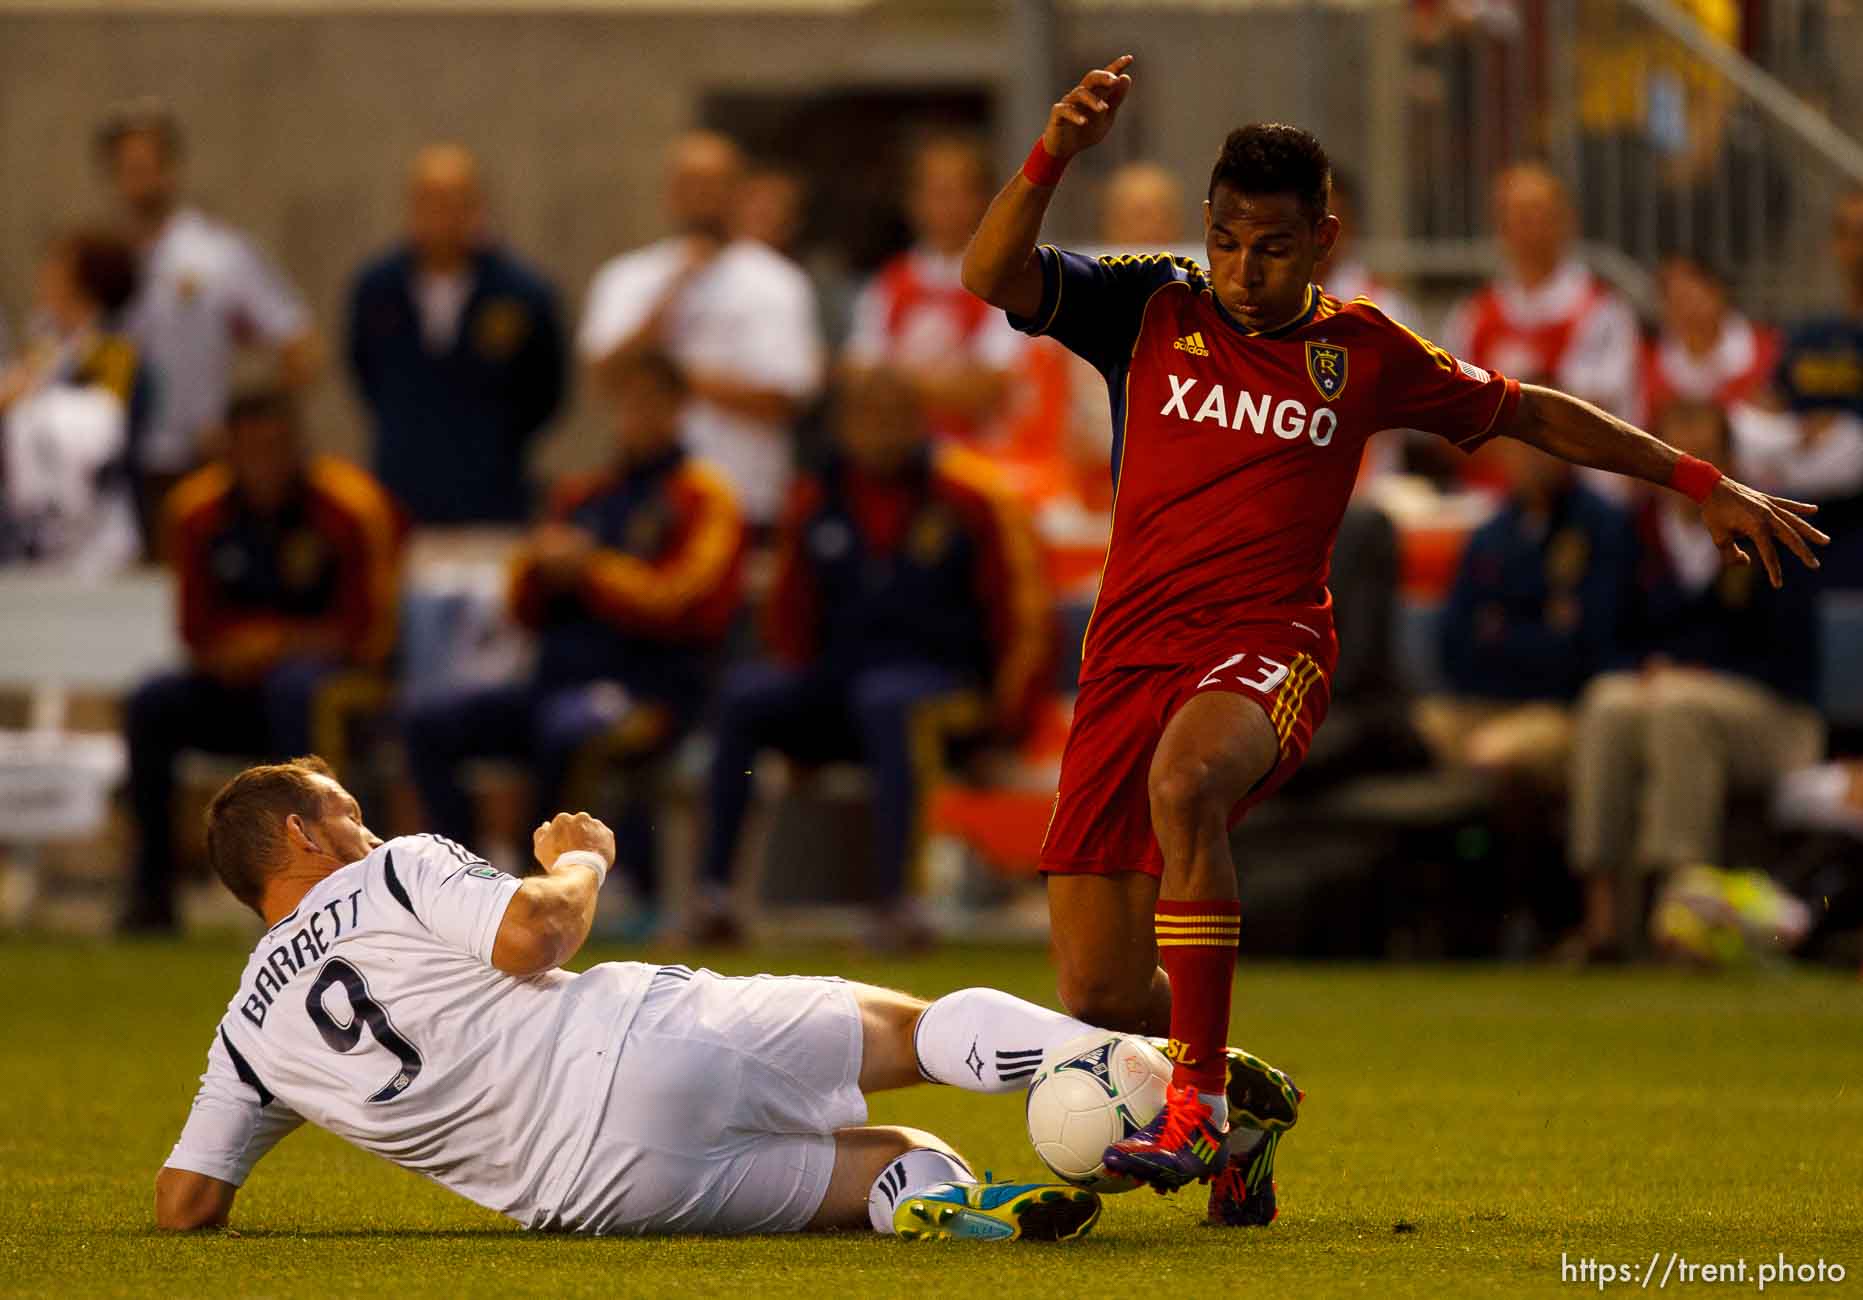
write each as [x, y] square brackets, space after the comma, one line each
[1226, 941]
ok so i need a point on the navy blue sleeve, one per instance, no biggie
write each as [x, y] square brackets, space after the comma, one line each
[1093, 306]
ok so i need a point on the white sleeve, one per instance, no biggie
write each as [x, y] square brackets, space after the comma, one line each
[262, 298]
[620, 296]
[233, 1122]
[783, 346]
[458, 896]
[866, 332]
[1603, 366]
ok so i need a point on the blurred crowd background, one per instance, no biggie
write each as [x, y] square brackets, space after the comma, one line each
[529, 407]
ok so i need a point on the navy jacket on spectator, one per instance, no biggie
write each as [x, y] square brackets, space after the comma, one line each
[1737, 624]
[1534, 614]
[658, 595]
[452, 428]
[1821, 367]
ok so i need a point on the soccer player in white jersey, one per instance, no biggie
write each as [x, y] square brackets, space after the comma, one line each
[408, 998]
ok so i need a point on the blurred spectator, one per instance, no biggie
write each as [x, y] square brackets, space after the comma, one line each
[458, 351]
[773, 209]
[1142, 209]
[1723, 701]
[1537, 610]
[908, 612]
[1368, 720]
[1817, 453]
[628, 585]
[289, 575]
[68, 410]
[205, 292]
[738, 317]
[1346, 276]
[916, 315]
[1547, 319]
[1706, 351]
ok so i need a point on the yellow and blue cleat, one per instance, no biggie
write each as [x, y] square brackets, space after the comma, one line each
[997, 1212]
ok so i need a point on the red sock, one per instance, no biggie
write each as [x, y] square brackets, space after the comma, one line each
[1197, 948]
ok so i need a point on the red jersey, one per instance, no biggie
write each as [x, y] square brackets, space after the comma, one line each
[1235, 450]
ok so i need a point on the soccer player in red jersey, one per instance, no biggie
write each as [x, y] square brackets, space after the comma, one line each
[1242, 400]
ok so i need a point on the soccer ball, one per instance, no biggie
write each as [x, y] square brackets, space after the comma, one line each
[1091, 1092]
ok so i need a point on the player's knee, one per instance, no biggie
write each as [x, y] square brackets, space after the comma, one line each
[1187, 791]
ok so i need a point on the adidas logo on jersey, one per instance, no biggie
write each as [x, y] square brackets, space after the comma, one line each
[1193, 343]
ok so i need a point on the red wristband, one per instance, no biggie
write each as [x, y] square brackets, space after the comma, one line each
[1694, 478]
[1041, 167]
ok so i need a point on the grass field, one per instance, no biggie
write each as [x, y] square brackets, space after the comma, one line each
[1464, 1128]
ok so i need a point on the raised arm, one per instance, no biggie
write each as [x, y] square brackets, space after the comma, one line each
[548, 919]
[1000, 265]
[1579, 432]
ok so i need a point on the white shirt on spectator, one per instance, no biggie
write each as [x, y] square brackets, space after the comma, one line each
[206, 290]
[749, 313]
[441, 301]
[57, 442]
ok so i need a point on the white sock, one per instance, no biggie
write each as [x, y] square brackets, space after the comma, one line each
[1219, 1107]
[907, 1175]
[985, 1040]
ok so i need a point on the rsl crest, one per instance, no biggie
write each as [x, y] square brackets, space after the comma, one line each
[1326, 367]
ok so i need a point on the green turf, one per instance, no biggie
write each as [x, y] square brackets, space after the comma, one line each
[1463, 1129]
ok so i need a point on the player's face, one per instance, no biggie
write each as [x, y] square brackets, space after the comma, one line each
[1262, 249]
[701, 181]
[340, 832]
[443, 218]
[1532, 220]
[1692, 304]
[143, 175]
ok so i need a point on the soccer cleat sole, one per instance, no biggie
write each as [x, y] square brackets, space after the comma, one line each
[1049, 1214]
[1260, 1096]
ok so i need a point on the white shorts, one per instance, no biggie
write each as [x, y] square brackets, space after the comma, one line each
[725, 1101]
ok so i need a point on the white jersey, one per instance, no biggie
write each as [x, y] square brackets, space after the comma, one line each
[374, 1011]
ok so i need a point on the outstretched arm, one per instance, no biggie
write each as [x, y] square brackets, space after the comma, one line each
[1579, 432]
[1000, 265]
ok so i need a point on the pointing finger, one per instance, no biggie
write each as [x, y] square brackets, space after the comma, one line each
[1120, 64]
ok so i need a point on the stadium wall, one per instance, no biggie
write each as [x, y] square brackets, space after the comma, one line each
[301, 121]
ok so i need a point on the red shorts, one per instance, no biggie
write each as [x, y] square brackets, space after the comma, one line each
[1102, 815]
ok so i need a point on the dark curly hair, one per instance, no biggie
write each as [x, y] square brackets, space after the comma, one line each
[1275, 158]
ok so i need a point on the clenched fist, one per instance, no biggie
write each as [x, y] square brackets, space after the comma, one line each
[567, 832]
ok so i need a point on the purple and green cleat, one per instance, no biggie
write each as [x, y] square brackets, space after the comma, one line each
[1182, 1145]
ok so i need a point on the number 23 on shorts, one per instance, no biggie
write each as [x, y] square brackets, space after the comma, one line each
[1256, 672]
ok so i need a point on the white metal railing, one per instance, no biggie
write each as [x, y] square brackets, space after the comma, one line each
[1669, 134]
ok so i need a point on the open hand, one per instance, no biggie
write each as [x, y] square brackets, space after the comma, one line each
[1081, 118]
[1734, 511]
